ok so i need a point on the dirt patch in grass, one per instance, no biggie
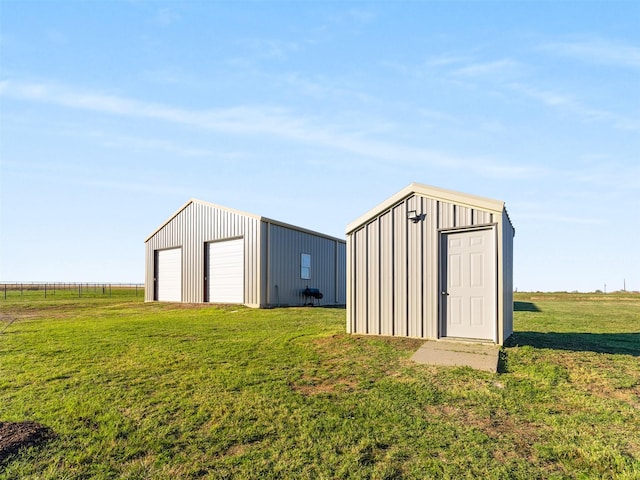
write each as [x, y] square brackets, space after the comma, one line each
[15, 436]
[499, 426]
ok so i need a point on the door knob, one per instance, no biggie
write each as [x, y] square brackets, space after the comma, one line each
[444, 293]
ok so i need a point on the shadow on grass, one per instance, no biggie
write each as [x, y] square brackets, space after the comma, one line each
[525, 307]
[614, 343]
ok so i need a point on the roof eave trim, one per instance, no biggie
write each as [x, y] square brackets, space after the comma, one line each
[246, 214]
[189, 202]
[302, 229]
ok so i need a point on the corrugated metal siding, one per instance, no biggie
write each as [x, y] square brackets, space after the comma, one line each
[385, 286]
[360, 275]
[394, 282]
[328, 266]
[431, 287]
[373, 272]
[415, 262]
[507, 274]
[399, 259]
[191, 229]
[341, 275]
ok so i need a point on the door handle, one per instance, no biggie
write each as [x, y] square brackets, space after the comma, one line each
[444, 293]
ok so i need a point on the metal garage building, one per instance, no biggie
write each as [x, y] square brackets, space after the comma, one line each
[208, 253]
[432, 263]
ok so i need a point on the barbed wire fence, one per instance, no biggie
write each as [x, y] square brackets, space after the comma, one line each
[13, 290]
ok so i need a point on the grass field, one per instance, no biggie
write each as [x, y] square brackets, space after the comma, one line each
[135, 390]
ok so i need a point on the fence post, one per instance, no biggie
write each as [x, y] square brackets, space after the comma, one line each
[79, 290]
[45, 290]
[109, 289]
[5, 291]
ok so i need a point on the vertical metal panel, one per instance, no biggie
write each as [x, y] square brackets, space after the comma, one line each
[400, 259]
[373, 277]
[149, 266]
[284, 252]
[385, 289]
[446, 215]
[191, 228]
[415, 261]
[351, 284]
[267, 293]
[507, 276]
[481, 218]
[361, 273]
[341, 276]
[430, 270]
[464, 216]
[362, 282]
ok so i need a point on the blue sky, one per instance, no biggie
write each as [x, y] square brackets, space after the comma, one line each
[114, 114]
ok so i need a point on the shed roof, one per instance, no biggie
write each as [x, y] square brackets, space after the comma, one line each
[245, 214]
[435, 193]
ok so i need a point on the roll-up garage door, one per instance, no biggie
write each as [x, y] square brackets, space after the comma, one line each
[169, 275]
[226, 271]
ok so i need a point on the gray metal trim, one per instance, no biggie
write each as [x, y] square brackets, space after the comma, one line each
[482, 226]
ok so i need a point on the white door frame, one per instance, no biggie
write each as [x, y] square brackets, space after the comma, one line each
[442, 278]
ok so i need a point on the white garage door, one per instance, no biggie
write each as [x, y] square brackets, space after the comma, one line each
[226, 271]
[169, 275]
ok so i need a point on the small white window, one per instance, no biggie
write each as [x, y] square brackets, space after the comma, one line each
[305, 266]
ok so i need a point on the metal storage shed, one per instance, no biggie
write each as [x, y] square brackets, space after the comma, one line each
[432, 263]
[209, 253]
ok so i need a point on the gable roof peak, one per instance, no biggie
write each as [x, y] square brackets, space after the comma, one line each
[436, 193]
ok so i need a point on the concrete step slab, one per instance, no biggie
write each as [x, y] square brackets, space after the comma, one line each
[480, 356]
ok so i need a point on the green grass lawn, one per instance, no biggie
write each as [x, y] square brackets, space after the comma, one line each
[135, 390]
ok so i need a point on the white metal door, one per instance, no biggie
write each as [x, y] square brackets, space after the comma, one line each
[468, 297]
[226, 271]
[169, 275]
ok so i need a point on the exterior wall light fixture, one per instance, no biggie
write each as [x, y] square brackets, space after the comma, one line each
[415, 217]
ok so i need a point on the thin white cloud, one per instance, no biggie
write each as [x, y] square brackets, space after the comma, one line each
[165, 17]
[172, 76]
[611, 175]
[272, 49]
[138, 187]
[447, 59]
[570, 103]
[354, 19]
[504, 67]
[597, 51]
[547, 97]
[265, 121]
[73, 174]
[321, 87]
[109, 140]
